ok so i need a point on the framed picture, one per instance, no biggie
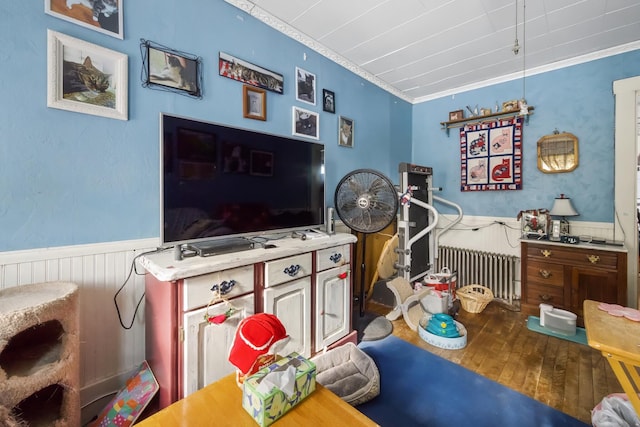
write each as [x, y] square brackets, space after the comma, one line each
[305, 86]
[167, 69]
[345, 132]
[106, 18]
[236, 69]
[306, 123]
[328, 101]
[261, 163]
[254, 103]
[456, 115]
[86, 78]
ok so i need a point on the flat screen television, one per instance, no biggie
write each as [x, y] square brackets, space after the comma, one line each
[219, 182]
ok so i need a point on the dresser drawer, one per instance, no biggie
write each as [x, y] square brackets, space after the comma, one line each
[573, 256]
[545, 273]
[538, 294]
[333, 257]
[233, 282]
[286, 269]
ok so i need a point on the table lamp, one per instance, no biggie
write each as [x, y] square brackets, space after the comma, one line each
[561, 207]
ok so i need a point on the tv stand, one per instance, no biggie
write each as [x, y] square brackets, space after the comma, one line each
[306, 283]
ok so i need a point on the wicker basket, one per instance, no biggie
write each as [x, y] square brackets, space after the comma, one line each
[474, 298]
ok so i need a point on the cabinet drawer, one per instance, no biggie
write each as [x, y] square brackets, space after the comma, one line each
[574, 256]
[537, 294]
[286, 269]
[545, 273]
[333, 257]
[233, 282]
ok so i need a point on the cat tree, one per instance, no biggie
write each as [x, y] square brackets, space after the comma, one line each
[39, 355]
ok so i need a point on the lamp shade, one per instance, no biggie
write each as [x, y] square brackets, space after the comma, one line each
[562, 207]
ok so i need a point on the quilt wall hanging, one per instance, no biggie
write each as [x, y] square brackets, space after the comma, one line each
[491, 155]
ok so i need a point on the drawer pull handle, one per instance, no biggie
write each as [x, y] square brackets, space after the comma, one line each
[593, 259]
[224, 287]
[545, 297]
[545, 253]
[343, 276]
[335, 258]
[544, 273]
[292, 270]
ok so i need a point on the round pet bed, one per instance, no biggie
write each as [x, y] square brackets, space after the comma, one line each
[348, 372]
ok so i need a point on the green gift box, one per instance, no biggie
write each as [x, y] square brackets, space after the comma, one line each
[266, 404]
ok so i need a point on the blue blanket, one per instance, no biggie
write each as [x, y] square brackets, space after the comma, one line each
[418, 388]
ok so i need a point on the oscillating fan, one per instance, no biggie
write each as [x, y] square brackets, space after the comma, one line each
[366, 202]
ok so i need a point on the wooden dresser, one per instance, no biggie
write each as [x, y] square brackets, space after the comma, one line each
[565, 275]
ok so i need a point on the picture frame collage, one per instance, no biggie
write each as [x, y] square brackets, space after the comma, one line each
[70, 59]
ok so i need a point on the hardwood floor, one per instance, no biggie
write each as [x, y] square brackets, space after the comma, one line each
[570, 377]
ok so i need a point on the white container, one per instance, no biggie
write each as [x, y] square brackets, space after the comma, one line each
[557, 320]
[435, 302]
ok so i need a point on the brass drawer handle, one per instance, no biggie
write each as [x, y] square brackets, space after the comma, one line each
[545, 253]
[593, 259]
[544, 273]
[545, 297]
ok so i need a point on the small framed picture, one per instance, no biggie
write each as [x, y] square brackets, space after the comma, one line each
[345, 132]
[456, 115]
[254, 103]
[306, 123]
[328, 101]
[105, 17]
[171, 70]
[86, 78]
[305, 86]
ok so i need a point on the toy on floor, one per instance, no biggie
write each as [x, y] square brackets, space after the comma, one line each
[442, 324]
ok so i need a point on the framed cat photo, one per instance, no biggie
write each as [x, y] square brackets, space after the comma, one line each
[306, 123]
[86, 78]
[104, 16]
[168, 69]
[345, 132]
[305, 86]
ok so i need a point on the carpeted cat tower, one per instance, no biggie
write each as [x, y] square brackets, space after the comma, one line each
[39, 355]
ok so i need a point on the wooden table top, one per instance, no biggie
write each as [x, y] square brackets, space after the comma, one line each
[611, 334]
[220, 404]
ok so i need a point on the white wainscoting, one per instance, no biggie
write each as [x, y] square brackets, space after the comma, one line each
[108, 352]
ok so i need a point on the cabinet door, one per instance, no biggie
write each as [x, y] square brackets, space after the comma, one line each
[594, 284]
[206, 345]
[291, 303]
[333, 291]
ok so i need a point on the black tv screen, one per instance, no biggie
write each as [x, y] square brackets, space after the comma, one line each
[219, 182]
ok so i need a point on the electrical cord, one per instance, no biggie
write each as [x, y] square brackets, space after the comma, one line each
[131, 270]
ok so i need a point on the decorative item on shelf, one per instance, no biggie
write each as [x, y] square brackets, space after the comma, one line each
[510, 105]
[562, 207]
[485, 111]
[456, 115]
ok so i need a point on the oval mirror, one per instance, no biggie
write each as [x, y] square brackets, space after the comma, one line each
[558, 152]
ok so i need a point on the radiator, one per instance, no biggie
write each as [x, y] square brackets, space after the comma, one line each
[495, 271]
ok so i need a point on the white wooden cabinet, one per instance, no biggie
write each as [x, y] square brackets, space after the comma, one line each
[206, 345]
[291, 303]
[298, 281]
[333, 306]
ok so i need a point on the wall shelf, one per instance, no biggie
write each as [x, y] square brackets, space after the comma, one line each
[480, 119]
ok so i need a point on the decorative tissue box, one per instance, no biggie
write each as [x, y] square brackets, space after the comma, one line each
[267, 405]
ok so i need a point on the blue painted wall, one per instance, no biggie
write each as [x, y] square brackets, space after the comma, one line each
[68, 178]
[577, 99]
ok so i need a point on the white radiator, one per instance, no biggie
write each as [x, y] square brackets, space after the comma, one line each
[495, 271]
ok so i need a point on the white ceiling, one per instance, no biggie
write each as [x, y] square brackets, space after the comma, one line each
[424, 49]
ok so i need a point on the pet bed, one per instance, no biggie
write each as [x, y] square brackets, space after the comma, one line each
[348, 372]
